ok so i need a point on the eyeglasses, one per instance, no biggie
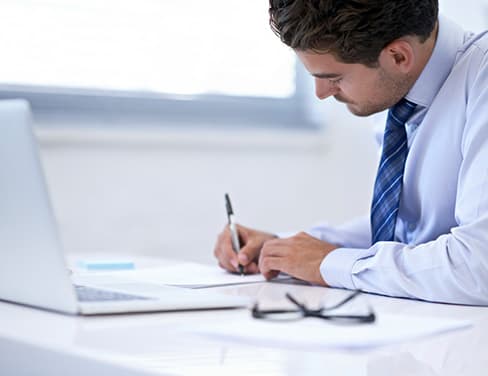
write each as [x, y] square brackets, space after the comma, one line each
[321, 313]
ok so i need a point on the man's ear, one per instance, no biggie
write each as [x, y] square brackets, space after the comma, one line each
[399, 56]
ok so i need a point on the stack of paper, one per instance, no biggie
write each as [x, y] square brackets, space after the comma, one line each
[192, 275]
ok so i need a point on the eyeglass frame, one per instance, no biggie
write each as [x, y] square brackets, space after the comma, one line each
[305, 312]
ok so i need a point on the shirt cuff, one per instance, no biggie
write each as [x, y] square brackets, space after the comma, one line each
[336, 267]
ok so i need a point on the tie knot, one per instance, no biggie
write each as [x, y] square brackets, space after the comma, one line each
[401, 112]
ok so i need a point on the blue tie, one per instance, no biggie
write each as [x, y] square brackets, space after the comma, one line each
[388, 185]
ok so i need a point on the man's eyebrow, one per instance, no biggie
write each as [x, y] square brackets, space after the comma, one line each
[326, 75]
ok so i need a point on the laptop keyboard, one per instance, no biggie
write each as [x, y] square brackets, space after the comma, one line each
[90, 294]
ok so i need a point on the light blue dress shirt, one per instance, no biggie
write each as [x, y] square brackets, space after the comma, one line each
[441, 248]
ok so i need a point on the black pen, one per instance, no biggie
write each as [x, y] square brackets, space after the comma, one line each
[233, 229]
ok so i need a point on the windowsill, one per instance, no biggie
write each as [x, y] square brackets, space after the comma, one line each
[196, 137]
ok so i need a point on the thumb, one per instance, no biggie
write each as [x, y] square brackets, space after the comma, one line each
[248, 254]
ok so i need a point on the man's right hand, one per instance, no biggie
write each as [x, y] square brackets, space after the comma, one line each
[251, 243]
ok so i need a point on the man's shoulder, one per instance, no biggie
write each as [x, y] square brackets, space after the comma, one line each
[475, 46]
[471, 62]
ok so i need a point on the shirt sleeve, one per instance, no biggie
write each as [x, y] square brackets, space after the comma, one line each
[453, 268]
[353, 234]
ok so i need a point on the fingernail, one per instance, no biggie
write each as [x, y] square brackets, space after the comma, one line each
[243, 258]
[234, 263]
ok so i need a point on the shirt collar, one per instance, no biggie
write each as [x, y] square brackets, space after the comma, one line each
[449, 39]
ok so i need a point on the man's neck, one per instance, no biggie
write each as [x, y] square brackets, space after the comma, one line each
[425, 51]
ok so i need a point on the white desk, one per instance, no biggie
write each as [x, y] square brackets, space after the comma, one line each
[42, 343]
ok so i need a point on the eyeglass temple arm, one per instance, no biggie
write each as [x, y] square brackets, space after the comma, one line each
[344, 301]
[294, 301]
[339, 304]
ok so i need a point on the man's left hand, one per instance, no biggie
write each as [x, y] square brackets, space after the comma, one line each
[299, 256]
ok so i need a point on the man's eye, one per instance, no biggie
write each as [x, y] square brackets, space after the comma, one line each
[335, 81]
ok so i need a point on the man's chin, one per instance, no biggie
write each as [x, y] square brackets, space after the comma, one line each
[356, 110]
[362, 111]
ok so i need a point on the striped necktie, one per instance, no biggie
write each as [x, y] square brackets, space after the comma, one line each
[388, 184]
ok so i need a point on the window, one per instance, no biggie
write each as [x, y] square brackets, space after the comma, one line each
[215, 58]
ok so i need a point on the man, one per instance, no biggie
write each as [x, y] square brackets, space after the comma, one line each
[427, 233]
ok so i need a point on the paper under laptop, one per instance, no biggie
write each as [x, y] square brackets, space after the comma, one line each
[33, 270]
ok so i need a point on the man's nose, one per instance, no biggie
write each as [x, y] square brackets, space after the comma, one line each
[324, 88]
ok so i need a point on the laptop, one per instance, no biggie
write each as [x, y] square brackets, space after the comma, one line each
[32, 266]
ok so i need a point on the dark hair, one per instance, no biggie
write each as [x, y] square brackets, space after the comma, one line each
[354, 31]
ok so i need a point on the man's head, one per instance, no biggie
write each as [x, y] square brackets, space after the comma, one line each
[367, 53]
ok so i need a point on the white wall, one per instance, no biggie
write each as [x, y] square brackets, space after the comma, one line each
[161, 192]
[471, 14]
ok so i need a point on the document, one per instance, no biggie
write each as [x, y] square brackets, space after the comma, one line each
[182, 274]
[314, 334]
[193, 275]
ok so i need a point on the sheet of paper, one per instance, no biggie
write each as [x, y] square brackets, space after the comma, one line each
[315, 335]
[190, 275]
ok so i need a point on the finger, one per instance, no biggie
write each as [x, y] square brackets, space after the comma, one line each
[275, 248]
[229, 264]
[271, 274]
[270, 266]
[251, 268]
[224, 253]
[248, 253]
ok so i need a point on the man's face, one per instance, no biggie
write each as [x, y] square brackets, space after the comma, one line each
[364, 90]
